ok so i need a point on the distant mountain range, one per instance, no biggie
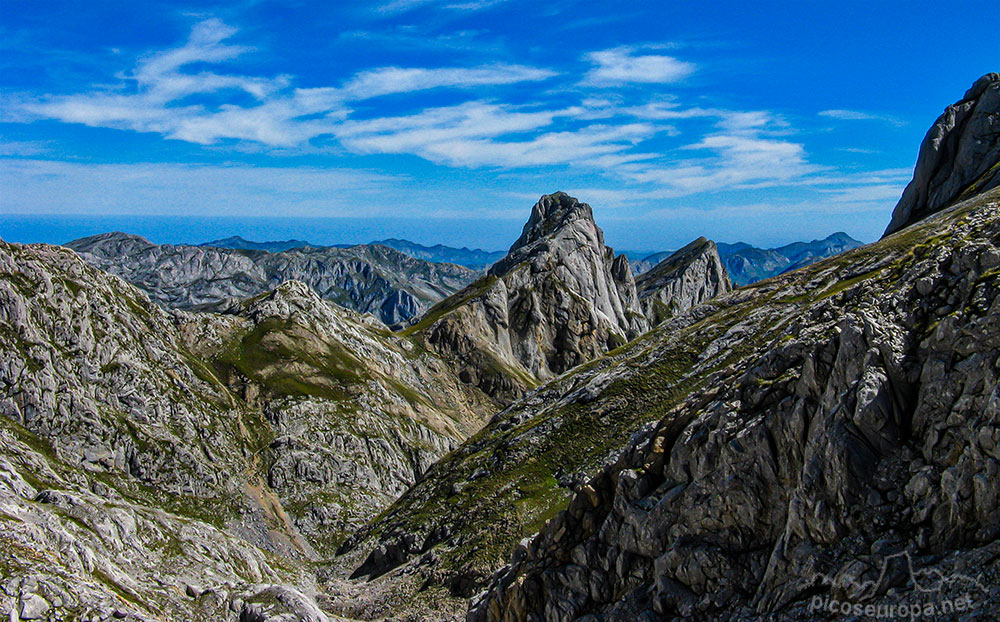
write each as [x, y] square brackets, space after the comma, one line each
[748, 264]
[238, 243]
[368, 278]
[474, 258]
[745, 263]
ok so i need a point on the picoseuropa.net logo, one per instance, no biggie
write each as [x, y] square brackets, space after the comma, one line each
[929, 594]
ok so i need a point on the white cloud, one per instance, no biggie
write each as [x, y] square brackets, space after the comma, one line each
[413, 133]
[883, 192]
[606, 134]
[397, 7]
[855, 115]
[23, 148]
[162, 98]
[619, 66]
[468, 135]
[389, 80]
[744, 153]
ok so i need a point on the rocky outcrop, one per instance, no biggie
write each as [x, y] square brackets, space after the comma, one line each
[192, 463]
[356, 416]
[833, 442]
[558, 298]
[372, 279]
[959, 158]
[124, 471]
[683, 280]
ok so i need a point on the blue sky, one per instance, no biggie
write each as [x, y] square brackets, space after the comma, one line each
[445, 120]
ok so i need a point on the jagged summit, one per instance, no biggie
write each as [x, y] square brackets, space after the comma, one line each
[551, 212]
[959, 158]
[686, 278]
[559, 298]
[554, 216]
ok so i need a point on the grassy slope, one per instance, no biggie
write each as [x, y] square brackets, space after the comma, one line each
[503, 483]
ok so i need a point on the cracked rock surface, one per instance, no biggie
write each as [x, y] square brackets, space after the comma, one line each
[959, 158]
[840, 417]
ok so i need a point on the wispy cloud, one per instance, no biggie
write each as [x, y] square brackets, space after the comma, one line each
[397, 7]
[743, 153]
[622, 65]
[22, 148]
[469, 135]
[622, 135]
[389, 80]
[159, 95]
[856, 115]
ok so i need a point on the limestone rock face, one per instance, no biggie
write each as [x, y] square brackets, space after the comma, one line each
[558, 299]
[124, 472]
[367, 278]
[959, 158]
[836, 438]
[356, 416]
[683, 280]
[192, 463]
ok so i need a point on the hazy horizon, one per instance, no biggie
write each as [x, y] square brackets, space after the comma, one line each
[63, 228]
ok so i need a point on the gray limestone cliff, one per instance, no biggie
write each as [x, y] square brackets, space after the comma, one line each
[834, 438]
[959, 158]
[559, 298]
[682, 280]
[195, 463]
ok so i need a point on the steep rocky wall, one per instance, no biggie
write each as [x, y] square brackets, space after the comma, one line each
[960, 155]
[558, 299]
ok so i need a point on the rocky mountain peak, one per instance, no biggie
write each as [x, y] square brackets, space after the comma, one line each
[559, 298]
[109, 244]
[552, 212]
[686, 278]
[555, 216]
[286, 300]
[959, 158]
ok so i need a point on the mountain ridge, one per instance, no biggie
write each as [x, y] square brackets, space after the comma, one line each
[747, 264]
[376, 279]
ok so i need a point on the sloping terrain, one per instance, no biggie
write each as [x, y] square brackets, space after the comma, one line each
[146, 455]
[371, 279]
[846, 399]
[356, 414]
[834, 420]
[125, 470]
